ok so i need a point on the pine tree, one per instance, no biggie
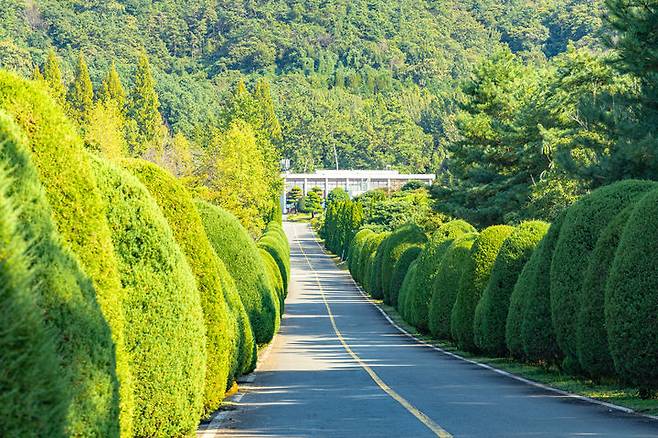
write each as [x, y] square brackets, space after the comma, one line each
[36, 74]
[53, 75]
[144, 107]
[112, 89]
[81, 92]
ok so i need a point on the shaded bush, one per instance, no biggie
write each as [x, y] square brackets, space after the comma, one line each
[492, 309]
[420, 290]
[631, 298]
[274, 277]
[446, 285]
[165, 332]
[356, 251]
[34, 393]
[412, 271]
[392, 248]
[581, 228]
[529, 332]
[178, 208]
[62, 213]
[474, 280]
[369, 260]
[240, 254]
[591, 335]
[275, 242]
[400, 271]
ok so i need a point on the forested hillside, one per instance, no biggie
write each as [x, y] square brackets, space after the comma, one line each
[356, 82]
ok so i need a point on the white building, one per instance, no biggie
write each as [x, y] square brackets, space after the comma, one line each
[354, 182]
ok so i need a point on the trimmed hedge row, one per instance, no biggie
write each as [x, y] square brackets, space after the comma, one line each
[118, 317]
[446, 285]
[62, 212]
[583, 288]
[492, 310]
[178, 208]
[240, 254]
[165, 330]
[420, 292]
[410, 235]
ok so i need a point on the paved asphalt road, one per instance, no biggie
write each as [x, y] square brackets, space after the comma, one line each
[388, 385]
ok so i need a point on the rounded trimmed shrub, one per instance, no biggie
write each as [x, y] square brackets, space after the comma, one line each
[91, 357]
[446, 285]
[400, 271]
[178, 208]
[591, 335]
[274, 277]
[77, 210]
[533, 323]
[492, 309]
[356, 250]
[473, 281]
[165, 331]
[276, 244]
[35, 394]
[402, 238]
[408, 279]
[631, 298]
[235, 247]
[370, 264]
[420, 291]
[582, 226]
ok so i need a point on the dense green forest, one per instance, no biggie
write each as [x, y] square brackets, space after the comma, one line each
[520, 106]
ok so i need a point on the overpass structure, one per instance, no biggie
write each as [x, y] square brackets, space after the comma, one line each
[354, 182]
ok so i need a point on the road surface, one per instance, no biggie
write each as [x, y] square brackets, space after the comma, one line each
[338, 368]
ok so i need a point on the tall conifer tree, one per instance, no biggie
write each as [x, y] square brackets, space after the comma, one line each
[143, 108]
[112, 89]
[81, 93]
[53, 75]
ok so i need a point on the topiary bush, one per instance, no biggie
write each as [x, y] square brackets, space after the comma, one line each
[582, 226]
[274, 277]
[591, 335]
[420, 290]
[239, 252]
[400, 271]
[276, 245]
[631, 298]
[68, 298]
[77, 210]
[178, 208]
[492, 309]
[474, 280]
[369, 248]
[533, 323]
[373, 265]
[34, 393]
[446, 285]
[402, 238]
[356, 249]
[165, 330]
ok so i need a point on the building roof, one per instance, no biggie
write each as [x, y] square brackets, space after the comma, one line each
[358, 174]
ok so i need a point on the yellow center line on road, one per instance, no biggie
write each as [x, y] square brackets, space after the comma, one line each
[435, 428]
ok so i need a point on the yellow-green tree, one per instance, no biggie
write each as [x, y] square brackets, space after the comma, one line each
[81, 93]
[52, 73]
[144, 110]
[105, 132]
[236, 175]
[112, 89]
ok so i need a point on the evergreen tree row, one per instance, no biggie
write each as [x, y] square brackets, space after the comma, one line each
[579, 294]
[129, 306]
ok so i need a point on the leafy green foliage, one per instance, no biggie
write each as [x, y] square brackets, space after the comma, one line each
[164, 327]
[77, 211]
[630, 298]
[491, 312]
[474, 280]
[581, 229]
[178, 208]
[591, 336]
[274, 277]
[357, 252]
[239, 252]
[28, 347]
[420, 292]
[373, 251]
[446, 284]
[529, 331]
[400, 270]
[275, 242]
